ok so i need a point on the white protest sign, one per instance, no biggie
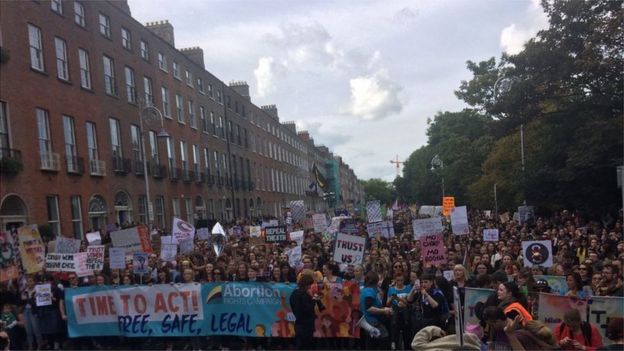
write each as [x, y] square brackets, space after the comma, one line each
[140, 263]
[297, 237]
[374, 228]
[117, 258]
[427, 226]
[186, 246]
[95, 257]
[490, 234]
[459, 221]
[319, 222]
[56, 262]
[80, 260]
[203, 233]
[294, 257]
[168, 252]
[373, 211]
[273, 223]
[43, 295]
[66, 245]
[537, 253]
[94, 238]
[255, 231]
[349, 249]
[182, 230]
[127, 238]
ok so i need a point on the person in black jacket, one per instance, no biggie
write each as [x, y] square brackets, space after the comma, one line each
[302, 304]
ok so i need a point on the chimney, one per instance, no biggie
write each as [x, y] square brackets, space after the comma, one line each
[195, 54]
[242, 88]
[290, 125]
[122, 5]
[163, 29]
[304, 135]
[271, 110]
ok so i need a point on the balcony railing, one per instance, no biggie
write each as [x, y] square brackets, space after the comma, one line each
[121, 165]
[75, 165]
[157, 171]
[187, 175]
[10, 161]
[97, 168]
[138, 167]
[174, 174]
[50, 161]
[200, 178]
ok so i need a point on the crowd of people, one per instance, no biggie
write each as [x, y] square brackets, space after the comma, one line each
[406, 302]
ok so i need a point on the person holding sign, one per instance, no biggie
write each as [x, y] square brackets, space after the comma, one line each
[31, 318]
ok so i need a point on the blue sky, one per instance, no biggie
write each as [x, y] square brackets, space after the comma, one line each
[361, 76]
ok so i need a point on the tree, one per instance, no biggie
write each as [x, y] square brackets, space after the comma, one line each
[377, 189]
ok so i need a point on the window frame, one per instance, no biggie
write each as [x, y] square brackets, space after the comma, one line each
[62, 61]
[34, 32]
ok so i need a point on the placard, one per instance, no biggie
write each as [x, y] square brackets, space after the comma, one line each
[294, 257]
[276, 235]
[80, 261]
[427, 226]
[490, 235]
[130, 240]
[203, 233]
[537, 253]
[95, 257]
[140, 263]
[320, 222]
[432, 249]
[9, 268]
[43, 295]
[117, 258]
[349, 249]
[66, 245]
[32, 251]
[448, 204]
[459, 221]
[526, 214]
[181, 230]
[297, 237]
[298, 210]
[168, 252]
[373, 211]
[349, 226]
[255, 231]
[94, 238]
[56, 262]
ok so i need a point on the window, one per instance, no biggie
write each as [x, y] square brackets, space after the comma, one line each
[53, 214]
[142, 209]
[105, 28]
[79, 14]
[189, 78]
[207, 160]
[85, 71]
[171, 154]
[70, 144]
[92, 141]
[162, 61]
[176, 70]
[137, 156]
[210, 92]
[213, 124]
[4, 130]
[153, 142]
[196, 162]
[43, 127]
[36, 49]
[149, 92]
[76, 216]
[189, 209]
[160, 211]
[110, 86]
[175, 204]
[115, 138]
[179, 108]
[126, 39]
[130, 84]
[191, 113]
[203, 124]
[164, 92]
[144, 50]
[230, 133]
[184, 156]
[216, 160]
[61, 59]
[57, 6]
[200, 84]
[221, 129]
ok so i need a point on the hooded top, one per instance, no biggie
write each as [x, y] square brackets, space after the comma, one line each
[430, 338]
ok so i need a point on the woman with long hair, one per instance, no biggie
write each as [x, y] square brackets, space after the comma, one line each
[513, 303]
[575, 284]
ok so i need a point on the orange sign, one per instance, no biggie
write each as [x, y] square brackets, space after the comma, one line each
[448, 204]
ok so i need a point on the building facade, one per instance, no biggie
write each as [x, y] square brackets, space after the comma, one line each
[82, 89]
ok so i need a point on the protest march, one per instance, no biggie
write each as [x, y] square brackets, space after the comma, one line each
[230, 285]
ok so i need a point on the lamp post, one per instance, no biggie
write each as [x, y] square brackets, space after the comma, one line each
[436, 162]
[150, 113]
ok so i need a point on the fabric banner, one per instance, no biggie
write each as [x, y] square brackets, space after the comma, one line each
[9, 260]
[66, 245]
[135, 239]
[427, 226]
[537, 253]
[31, 248]
[432, 249]
[320, 222]
[490, 234]
[349, 249]
[276, 235]
[552, 307]
[557, 284]
[95, 257]
[459, 221]
[602, 309]
[207, 309]
[373, 211]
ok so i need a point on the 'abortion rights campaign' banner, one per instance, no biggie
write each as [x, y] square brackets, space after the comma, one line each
[242, 309]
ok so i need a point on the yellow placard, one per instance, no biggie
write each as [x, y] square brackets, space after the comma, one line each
[448, 204]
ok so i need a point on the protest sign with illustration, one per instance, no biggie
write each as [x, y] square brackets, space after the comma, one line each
[490, 234]
[181, 230]
[537, 253]
[9, 253]
[31, 248]
[340, 317]
[43, 295]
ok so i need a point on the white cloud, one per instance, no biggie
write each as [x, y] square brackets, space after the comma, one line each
[374, 97]
[266, 73]
[514, 36]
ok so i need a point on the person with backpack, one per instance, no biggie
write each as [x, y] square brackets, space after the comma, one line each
[576, 334]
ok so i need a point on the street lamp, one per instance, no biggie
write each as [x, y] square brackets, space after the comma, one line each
[150, 113]
[436, 162]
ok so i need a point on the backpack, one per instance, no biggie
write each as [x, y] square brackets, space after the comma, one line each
[585, 329]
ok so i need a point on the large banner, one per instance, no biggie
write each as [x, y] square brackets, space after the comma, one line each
[241, 309]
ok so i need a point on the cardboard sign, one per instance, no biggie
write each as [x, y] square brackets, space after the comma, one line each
[168, 252]
[297, 237]
[94, 238]
[427, 226]
[276, 235]
[432, 249]
[373, 211]
[132, 239]
[43, 295]
[490, 235]
[117, 258]
[31, 248]
[56, 262]
[537, 253]
[95, 257]
[320, 222]
[459, 221]
[140, 263]
[349, 249]
[448, 204]
[181, 230]
[80, 261]
[66, 245]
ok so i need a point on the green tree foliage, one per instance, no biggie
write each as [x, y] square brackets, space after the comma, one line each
[377, 189]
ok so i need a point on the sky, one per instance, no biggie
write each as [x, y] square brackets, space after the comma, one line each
[361, 76]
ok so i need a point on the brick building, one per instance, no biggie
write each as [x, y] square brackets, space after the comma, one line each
[78, 79]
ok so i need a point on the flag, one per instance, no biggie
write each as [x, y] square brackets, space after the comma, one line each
[320, 179]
